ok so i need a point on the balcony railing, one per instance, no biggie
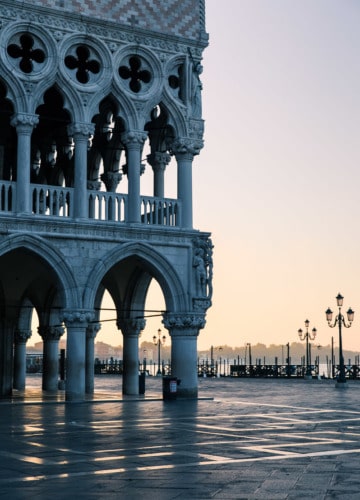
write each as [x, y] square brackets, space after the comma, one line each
[161, 211]
[7, 196]
[57, 201]
[107, 206]
[52, 200]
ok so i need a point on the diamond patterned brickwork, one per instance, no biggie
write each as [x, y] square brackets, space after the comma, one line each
[184, 18]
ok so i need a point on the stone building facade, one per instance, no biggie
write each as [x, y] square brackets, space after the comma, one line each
[85, 89]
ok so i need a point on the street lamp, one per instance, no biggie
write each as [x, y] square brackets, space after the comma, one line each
[340, 320]
[306, 336]
[159, 341]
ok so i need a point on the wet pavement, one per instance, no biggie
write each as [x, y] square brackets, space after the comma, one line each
[242, 439]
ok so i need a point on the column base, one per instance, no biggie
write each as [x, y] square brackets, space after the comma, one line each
[340, 385]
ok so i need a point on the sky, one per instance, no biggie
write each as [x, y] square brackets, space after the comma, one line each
[277, 183]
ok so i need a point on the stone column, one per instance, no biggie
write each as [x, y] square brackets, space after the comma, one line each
[24, 124]
[81, 133]
[20, 339]
[7, 327]
[133, 141]
[159, 161]
[184, 329]
[91, 332]
[184, 154]
[131, 329]
[76, 322]
[51, 336]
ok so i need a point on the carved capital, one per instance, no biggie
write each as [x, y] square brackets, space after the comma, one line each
[77, 317]
[184, 323]
[94, 185]
[134, 139]
[111, 180]
[131, 326]
[81, 129]
[22, 336]
[24, 122]
[158, 160]
[186, 146]
[92, 330]
[51, 333]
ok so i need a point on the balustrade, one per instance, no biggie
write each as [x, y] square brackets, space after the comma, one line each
[160, 211]
[7, 196]
[58, 201]
[52, 200]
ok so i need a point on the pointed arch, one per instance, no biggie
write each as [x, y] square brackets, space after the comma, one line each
[52, 257]
[152, 264]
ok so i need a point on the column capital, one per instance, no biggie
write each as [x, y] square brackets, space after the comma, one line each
[186, 147]
[111, 180]
[81, 129]
[133, 139]
[22, 336]
[184, 323]
[77, 317]
[93, 185]
[158, 160]
[51, 333]
[92, 330]
[24, 121]
[131, 326]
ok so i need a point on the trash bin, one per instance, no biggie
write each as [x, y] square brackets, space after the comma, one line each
[142, 383]
[170, 387]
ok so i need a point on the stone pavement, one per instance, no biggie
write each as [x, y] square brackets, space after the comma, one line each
[242, 439]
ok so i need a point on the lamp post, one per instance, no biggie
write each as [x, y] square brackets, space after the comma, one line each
[144, 360]
[306, 336]
[159, 341]
[340, 321]
[248, 346]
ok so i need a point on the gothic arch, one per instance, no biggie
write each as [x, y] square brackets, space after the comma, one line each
[153, 265]
[15, 91]
[176, 116]
[52, 257]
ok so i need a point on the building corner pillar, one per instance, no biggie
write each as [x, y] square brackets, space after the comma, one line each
[184, 330]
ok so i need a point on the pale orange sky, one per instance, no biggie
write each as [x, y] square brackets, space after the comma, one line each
[278, 180]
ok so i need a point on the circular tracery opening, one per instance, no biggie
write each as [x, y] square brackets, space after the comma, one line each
[25, 51]
[135, 74]
[83, 64]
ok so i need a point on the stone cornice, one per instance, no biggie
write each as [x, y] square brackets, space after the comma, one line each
[61, 22]
[79, 230]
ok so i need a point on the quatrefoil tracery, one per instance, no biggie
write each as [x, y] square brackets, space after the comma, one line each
[26, 52]
[135, 74]
[83, 64]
